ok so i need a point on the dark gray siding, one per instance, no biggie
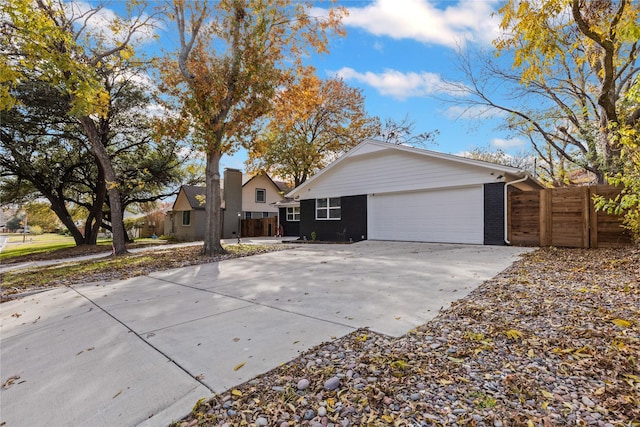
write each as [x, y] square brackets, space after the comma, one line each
[494, 213]
[351, 227]
[291, 228]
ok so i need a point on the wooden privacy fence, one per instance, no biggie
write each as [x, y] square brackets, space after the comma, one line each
[564, 217]
[259, 227]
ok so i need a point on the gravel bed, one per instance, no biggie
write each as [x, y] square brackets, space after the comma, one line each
[552, 340]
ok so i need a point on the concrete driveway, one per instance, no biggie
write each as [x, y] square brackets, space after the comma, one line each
[144, 350]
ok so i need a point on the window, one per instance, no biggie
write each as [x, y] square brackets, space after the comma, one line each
[293, 213]
[247, 215]
[186, 218]
[261, 195]
[328, 208]
[265, 214]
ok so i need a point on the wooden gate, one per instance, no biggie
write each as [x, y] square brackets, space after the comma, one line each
[259, 227]
[564, 217]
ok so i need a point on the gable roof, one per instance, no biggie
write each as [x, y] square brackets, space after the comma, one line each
[279, 185]
[370, 146]
[191, 192]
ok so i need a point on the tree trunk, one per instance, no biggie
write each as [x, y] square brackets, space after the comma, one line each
[213, 229]
[94, 219]
[61, 211]
[111, 180]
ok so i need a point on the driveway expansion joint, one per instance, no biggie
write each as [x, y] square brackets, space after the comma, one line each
[260, 305]
[171, 360]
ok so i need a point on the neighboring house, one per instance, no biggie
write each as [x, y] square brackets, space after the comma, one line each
[260, 195]
[382, 191]
[242, 204]
[186, 219]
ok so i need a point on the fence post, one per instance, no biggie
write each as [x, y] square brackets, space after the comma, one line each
[593, 218]
[545, 217]
[585, 216]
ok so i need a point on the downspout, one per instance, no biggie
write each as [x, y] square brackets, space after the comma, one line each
[506, 207]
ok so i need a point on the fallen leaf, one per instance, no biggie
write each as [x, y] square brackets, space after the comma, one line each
[621, 323]
[236, 392]
[546, 394]
[9, 382]
[513, 334]
[239, 365]
[117, 394]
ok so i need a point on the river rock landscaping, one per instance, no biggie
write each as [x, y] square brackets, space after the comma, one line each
[552, 340]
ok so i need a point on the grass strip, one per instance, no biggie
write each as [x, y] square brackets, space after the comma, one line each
[119, 268]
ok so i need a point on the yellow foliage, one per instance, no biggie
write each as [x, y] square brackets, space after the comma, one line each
[514, 334]
[621, 323]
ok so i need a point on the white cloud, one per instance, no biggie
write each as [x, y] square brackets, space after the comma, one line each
[397, 84]
[100, 24]
[508, 144]
[422, 20]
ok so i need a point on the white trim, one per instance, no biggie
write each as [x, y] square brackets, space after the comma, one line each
[293, 213]
[328, 209]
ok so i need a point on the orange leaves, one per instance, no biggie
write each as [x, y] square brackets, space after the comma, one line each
[312, 121]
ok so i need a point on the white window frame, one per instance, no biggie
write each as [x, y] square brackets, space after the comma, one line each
[264, 195]
[188, 223]
[293, 213]
[330, 206]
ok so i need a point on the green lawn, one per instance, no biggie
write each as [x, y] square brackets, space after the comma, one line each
[37, 244]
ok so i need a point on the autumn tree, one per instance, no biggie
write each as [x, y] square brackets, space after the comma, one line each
[628, 202]
[233, 56]
[313, 122]
[40, 214]
[573, 63]
[45, 153]
[53, 41]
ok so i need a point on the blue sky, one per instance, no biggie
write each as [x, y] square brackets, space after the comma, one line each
[399, 52]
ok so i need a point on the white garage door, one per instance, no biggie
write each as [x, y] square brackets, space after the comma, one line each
[448, 216]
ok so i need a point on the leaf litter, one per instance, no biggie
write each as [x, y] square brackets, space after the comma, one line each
[552, 340]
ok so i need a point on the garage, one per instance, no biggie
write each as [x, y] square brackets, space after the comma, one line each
[452, 215]
[382, 191]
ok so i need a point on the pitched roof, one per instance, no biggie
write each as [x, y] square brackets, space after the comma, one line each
[192, 192]
[280, 185]
[370, 145]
